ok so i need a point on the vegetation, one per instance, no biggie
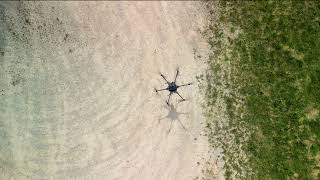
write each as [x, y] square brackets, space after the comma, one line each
[271, 89]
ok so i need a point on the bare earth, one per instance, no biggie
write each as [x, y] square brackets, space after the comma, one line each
[78, 99]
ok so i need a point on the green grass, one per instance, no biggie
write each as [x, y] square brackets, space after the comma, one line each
[275, 67]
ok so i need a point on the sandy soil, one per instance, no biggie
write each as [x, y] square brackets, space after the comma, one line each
[77, 96]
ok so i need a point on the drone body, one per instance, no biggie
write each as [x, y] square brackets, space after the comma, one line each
[172, 87]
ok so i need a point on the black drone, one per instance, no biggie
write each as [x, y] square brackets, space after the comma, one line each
[172, 87]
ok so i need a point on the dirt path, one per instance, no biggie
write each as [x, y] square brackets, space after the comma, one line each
[79, 100]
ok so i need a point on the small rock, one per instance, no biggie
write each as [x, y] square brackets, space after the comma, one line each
[27, 21]
[66, 37]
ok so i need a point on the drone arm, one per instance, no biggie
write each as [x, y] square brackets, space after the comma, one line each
[169, 98]
[175, 79]
[161, 89]
[184, 85]
[164, 78]
[180, 96]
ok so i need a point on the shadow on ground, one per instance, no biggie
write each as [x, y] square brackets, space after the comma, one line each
[173, 115]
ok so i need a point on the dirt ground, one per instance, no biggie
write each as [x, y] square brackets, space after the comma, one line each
[77, 90]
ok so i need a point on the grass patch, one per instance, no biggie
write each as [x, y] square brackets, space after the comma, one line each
[272, 49]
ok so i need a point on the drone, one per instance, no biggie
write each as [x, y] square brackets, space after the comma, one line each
[172, 87]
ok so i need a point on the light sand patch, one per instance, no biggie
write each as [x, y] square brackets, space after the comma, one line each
[84, 107]
[312, 113]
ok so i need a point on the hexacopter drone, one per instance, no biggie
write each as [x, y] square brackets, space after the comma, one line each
[172, 87]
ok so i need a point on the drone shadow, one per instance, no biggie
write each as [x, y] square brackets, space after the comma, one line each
[173, 115]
